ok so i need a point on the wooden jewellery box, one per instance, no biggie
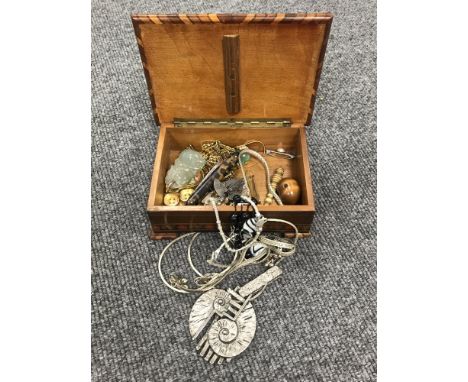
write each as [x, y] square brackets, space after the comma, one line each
[233, 78]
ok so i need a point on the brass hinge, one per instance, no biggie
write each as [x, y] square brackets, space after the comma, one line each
[232, 122]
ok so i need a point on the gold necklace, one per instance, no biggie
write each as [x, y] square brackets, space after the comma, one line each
[214, 151]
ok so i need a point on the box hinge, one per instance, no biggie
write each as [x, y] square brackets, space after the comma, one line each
[283, 122]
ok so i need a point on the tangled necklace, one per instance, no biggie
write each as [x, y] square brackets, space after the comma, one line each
[224, 321]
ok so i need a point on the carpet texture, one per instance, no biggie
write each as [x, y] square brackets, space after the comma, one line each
[316, 323]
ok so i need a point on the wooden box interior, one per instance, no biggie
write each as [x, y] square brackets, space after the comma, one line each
[176, 139]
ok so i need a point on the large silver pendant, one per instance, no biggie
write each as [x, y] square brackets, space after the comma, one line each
[228, 317]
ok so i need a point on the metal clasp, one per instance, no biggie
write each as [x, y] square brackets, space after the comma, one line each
[279, 153]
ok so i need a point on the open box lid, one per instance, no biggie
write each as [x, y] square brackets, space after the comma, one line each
[233, 66]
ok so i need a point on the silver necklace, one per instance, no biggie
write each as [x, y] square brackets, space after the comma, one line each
[224, 321]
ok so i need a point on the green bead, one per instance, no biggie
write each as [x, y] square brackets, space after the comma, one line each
[244, 158]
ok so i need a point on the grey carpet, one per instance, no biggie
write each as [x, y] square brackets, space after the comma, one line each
[318, 322]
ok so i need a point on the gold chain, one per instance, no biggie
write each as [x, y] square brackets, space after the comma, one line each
[214, 151]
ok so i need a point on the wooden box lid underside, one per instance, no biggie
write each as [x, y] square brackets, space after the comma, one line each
[281, 57]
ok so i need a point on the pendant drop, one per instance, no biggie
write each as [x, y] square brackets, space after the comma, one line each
[228, 317]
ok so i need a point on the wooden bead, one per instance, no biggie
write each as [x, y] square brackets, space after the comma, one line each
[277, 175]
[289, 191]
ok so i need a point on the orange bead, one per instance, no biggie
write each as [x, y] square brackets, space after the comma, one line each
[289, 191]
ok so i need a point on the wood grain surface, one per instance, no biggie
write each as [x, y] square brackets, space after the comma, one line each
[281, 60]
[232, 72]
[232, 67]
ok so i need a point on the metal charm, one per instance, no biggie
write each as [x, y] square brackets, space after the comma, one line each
[226, 190]
[280, 152]
[220, 171]
[251, 186]
[232, 318]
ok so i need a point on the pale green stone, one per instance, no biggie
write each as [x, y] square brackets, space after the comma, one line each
[184, 169]
[244, 158]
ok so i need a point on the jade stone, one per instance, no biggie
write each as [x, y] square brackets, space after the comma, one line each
[184, 168]
[244, 158]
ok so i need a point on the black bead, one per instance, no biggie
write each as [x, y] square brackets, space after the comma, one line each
[236, 199]
[235, 218]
